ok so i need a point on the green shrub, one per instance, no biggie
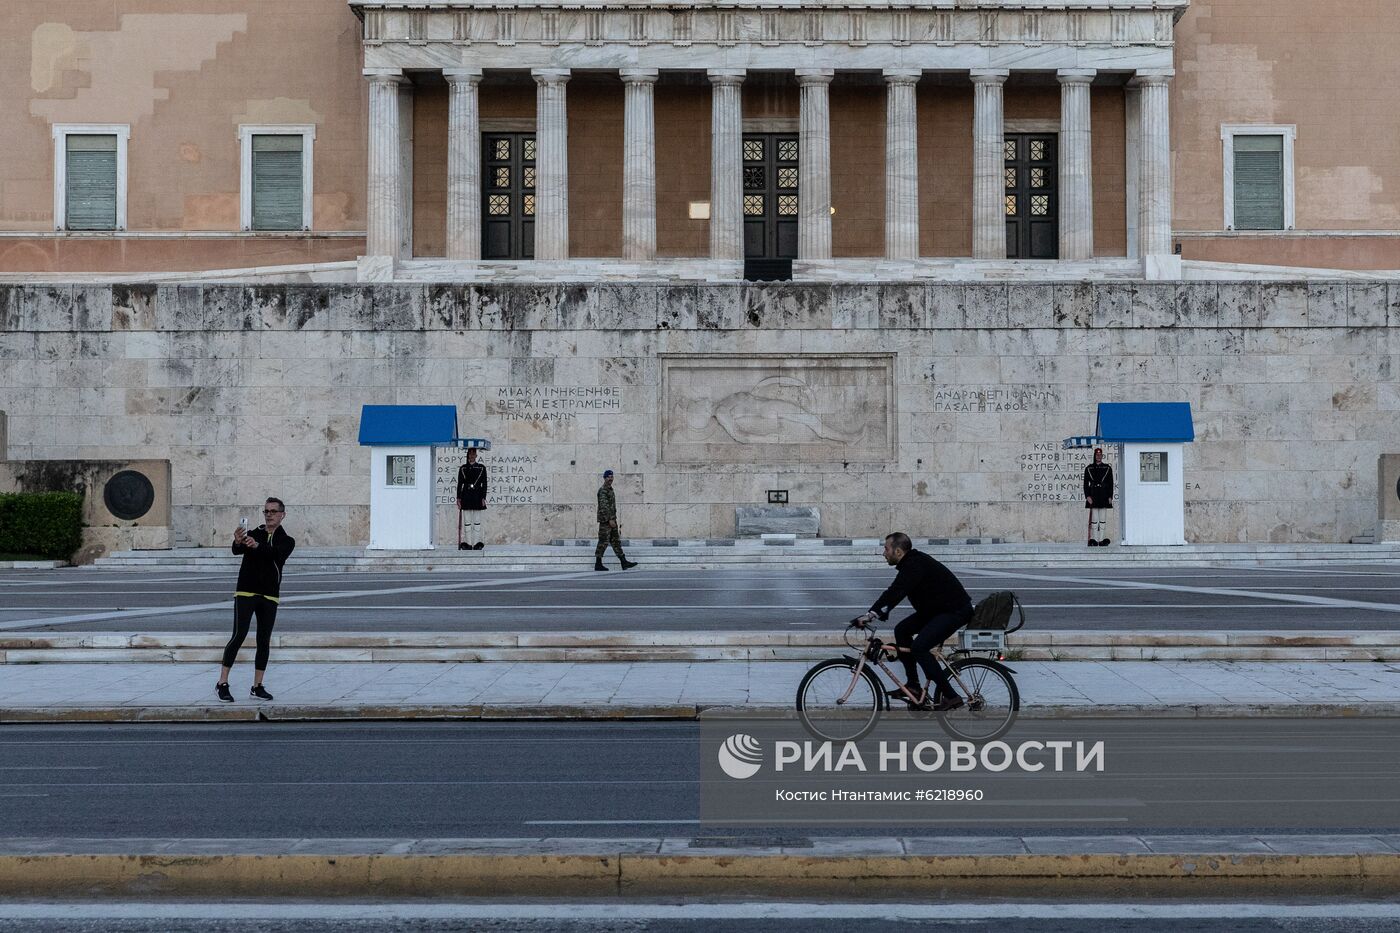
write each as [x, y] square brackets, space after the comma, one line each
[49, 524]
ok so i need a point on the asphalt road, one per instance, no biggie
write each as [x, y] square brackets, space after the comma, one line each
[632, 916]
[1343, 598]
[621, 780]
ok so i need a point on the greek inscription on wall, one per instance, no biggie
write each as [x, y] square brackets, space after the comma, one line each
[1049, 473]
[514, 477]
[997, 398]
[777, 409]
[552, 403]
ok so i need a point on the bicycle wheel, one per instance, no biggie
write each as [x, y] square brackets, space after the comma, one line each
[991, 709]
[824, 713]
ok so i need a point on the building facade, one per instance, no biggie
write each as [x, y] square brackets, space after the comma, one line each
[224, 226]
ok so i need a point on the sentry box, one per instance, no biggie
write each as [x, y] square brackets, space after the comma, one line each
[1151, 491]
[403, 440]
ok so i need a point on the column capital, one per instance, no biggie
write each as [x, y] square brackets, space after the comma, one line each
[384, 75]
[1076, 75]
[550, 76]
[733, 76]
[1152, 77]
[989, 75]
[815, 75]
[639, 75]
[903, 75]
[462, 75]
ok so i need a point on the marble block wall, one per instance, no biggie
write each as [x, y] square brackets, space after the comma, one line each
[933, 408]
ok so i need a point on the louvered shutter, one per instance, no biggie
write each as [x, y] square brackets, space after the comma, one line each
[1258, 182]
[277, 182]
[90, 185]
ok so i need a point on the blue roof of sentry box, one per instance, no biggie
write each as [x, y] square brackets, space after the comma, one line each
[1138, 422]
[408, 425]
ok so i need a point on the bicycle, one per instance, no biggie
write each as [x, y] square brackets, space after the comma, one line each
[841, 700]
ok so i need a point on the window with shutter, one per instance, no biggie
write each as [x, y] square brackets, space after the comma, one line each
[277, 182]
[1259, 182]
[90, 190]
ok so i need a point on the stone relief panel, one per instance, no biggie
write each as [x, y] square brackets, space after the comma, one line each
[777, 409]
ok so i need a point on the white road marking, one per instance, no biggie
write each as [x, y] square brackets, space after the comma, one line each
[224, 605]
[631, 910]
[1203, 590]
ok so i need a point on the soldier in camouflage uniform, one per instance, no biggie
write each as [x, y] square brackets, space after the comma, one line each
[608, 526]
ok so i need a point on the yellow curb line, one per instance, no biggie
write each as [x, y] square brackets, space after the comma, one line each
[612, 873]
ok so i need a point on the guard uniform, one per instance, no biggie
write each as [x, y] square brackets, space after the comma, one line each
[1098, 498]
[607, 530]
[471, 498]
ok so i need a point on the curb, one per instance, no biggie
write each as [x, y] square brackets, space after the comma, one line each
[580, 646]
[661, 711]
[614, 870]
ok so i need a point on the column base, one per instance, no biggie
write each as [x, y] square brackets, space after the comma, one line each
[375, 269]
[1161, 266]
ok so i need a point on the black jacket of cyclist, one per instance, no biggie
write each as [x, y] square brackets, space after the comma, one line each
[941, 607]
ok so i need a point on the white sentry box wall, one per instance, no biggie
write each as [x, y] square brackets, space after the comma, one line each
[400, 516]
[1153, 512]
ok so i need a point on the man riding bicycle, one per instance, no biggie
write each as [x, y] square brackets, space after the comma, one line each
[941, 607]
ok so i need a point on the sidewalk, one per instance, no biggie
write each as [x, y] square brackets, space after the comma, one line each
[673, 689]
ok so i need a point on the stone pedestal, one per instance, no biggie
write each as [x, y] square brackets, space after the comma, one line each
[750, 521]
[1388, 498]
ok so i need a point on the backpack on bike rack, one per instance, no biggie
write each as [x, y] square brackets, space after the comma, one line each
[991, 623]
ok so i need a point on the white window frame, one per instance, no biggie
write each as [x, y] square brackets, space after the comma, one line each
[246, 132]
[61, 132]
[1228, 132]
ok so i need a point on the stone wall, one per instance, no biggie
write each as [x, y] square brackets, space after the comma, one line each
[934, 408]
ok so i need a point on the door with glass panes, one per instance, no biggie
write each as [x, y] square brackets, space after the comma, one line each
[1032, 201]
[770, 196]
[508, 196]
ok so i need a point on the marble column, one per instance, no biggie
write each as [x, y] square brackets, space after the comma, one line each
[383, 207]
[988, 163]
[406, 96]
[1132, 117]
[814, 164]
[726, 165]
[463, 164]
[1155, 174]
[639, 164]
[551, 164]
[901, 164]
[1076, 165]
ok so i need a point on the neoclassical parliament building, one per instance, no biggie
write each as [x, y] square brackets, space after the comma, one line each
[882, 256]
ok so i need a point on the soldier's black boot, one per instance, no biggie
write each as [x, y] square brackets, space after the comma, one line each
[628, 564]
[598, 565]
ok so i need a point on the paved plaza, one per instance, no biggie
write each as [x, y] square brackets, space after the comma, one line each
[1166, 600]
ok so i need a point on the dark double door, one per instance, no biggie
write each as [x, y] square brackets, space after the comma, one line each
[770, 195]
[1032, 196]
[508, 196]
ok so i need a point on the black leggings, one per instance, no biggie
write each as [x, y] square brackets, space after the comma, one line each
[244, 608]
[922, 633]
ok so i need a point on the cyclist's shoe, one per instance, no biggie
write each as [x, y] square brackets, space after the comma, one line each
[898, 692]
[259, 692]
[223, 691]
[948, 703]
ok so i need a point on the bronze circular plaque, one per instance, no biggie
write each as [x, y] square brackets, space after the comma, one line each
[129, 495]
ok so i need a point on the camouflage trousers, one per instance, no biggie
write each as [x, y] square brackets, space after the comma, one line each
[607, 535]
